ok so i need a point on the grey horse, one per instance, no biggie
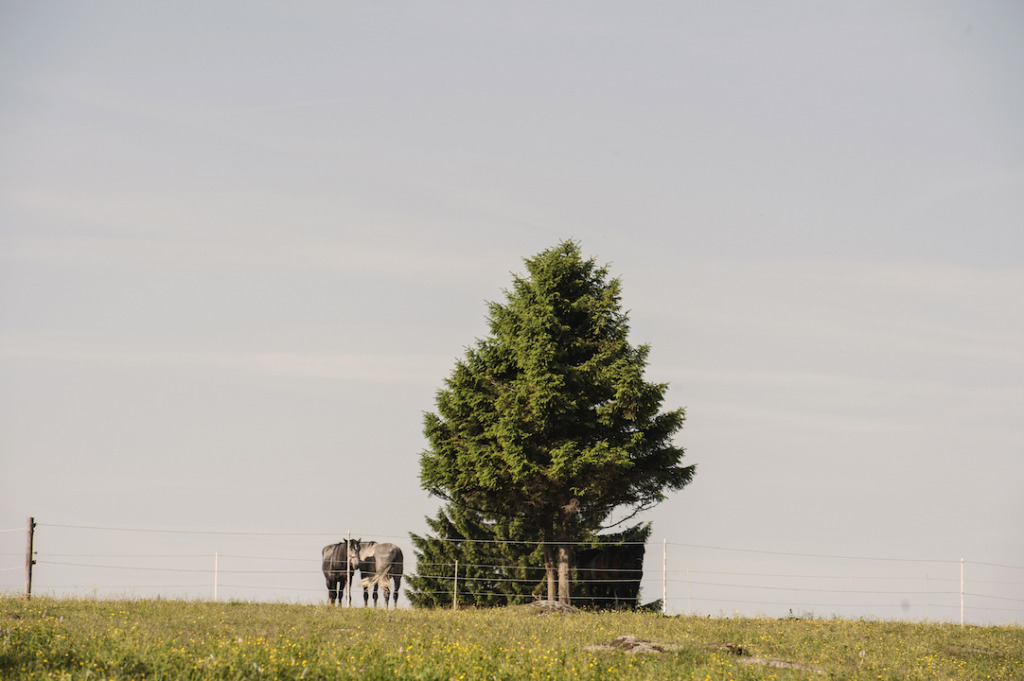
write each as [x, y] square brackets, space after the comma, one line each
[378, 565]
[340, 561]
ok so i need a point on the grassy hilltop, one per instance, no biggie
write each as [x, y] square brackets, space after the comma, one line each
[78, 639]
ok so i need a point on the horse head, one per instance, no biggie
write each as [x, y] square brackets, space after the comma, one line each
[352, 549]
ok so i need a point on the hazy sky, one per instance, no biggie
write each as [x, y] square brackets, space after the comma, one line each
[242, 244]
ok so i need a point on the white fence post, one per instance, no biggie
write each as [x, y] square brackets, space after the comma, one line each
[455, 589]
[961, 592]
[348, 567]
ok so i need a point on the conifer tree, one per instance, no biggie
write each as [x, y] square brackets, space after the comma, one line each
[619, 550]
[548, 422]
[496, 564]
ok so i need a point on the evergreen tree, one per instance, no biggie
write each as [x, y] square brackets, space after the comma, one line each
[622, 567]
[548, 423]
[496, 565]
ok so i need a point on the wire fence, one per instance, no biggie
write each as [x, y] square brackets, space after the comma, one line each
[682, 578]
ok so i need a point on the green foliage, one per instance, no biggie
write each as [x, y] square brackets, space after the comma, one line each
[591, 595]
[92, 639]
[548, 421]
[497, 562]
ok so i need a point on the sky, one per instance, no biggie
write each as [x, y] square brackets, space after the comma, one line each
[243, 244]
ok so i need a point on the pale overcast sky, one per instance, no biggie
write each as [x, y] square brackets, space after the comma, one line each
[242, 244]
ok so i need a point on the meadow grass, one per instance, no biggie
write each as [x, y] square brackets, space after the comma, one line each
[49, 638]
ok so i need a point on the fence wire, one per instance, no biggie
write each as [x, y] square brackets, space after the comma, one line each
[697, 582]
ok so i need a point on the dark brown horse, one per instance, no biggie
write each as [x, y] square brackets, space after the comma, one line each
[340, 562]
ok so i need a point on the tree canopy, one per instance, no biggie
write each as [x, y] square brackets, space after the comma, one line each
[548, 422]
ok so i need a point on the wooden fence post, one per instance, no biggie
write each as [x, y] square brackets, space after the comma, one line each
[29, 560]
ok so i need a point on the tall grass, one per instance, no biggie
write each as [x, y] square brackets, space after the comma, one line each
[49, 638]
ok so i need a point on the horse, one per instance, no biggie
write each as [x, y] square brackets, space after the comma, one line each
[611, 575]
[378, 565]
[340, 561]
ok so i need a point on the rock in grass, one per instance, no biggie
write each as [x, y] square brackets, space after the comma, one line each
[780, 664]
[550, 606]
[632, 645]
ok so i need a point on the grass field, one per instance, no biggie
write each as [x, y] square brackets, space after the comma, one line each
[95, 639]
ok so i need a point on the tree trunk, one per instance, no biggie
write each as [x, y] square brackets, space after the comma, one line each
[550, 567]
[563, 574]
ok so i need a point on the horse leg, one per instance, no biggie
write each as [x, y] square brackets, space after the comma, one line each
[387, 593]
[366, 596]
[375, 595]
[398, 584]
[332, 593]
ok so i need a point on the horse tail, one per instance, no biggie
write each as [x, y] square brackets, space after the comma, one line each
[389, 566]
